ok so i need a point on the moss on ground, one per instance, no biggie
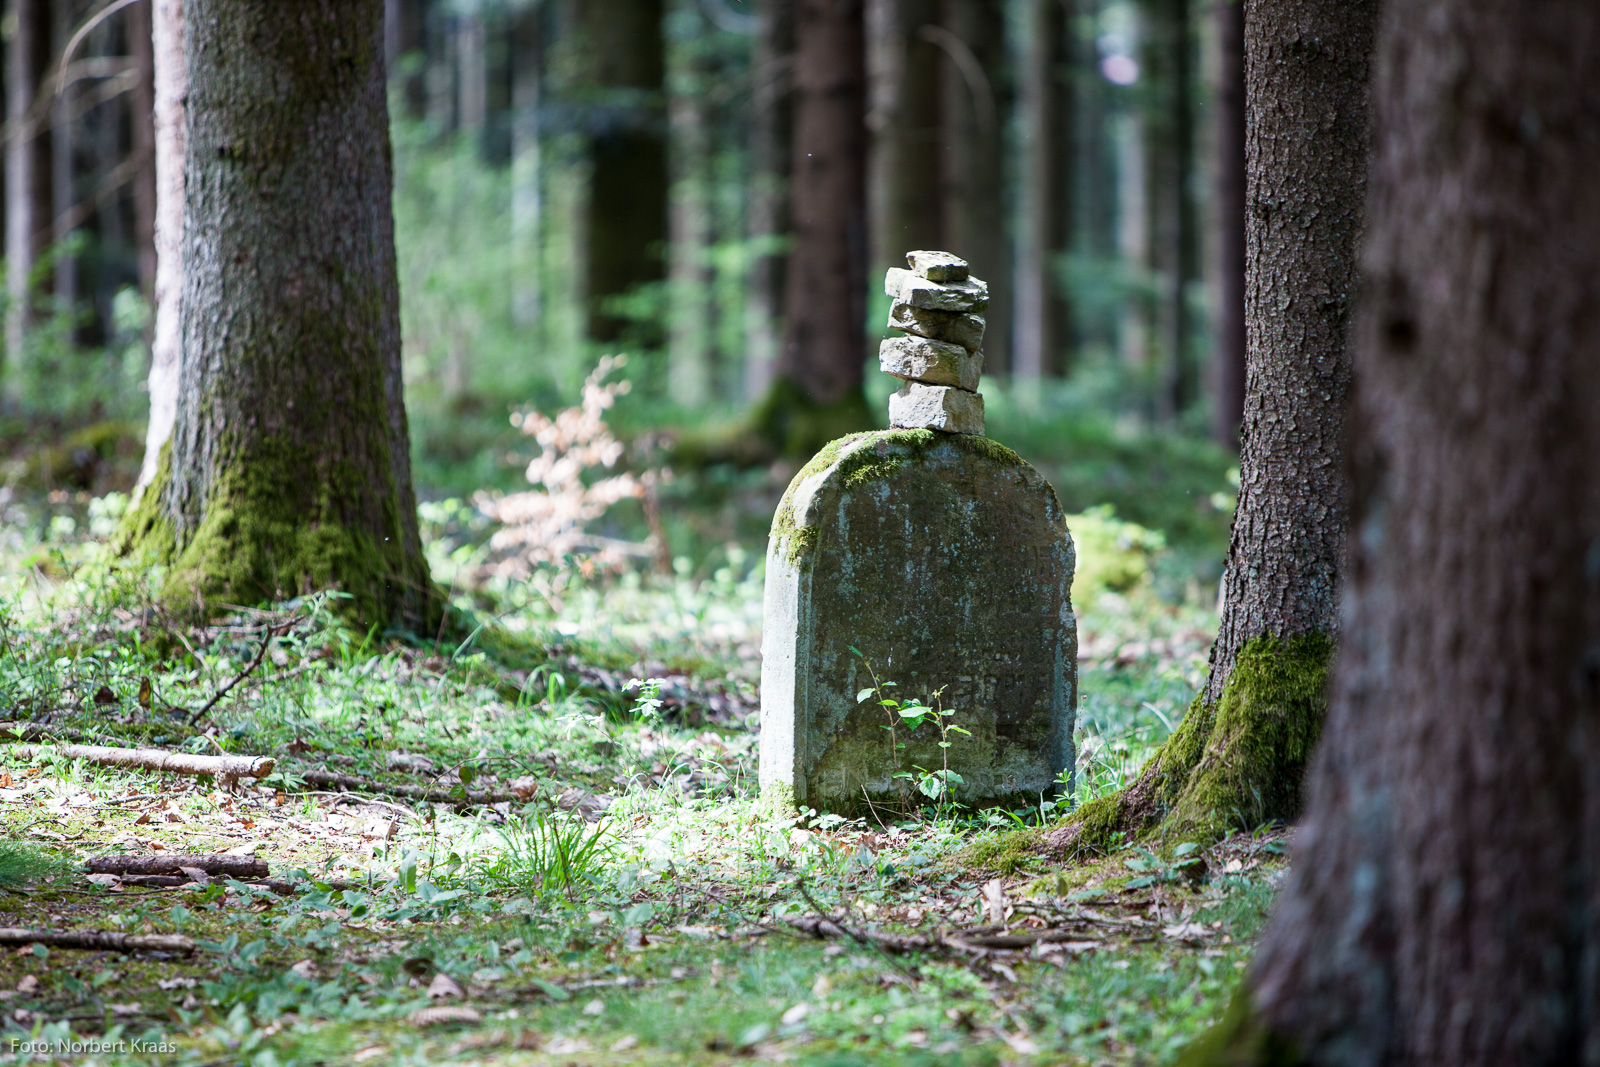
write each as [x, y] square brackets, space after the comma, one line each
[1241, 1038]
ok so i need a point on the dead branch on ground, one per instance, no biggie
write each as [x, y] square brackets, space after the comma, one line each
[223, 768]
[104, 940]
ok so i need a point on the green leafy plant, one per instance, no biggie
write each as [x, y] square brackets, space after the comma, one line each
[1186, 865]
[548, 851]
[939, 784]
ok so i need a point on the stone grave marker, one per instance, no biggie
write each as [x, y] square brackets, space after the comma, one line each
[944, 559]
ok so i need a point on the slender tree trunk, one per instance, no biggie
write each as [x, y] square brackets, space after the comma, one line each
[1238, 757]
[288, 467]
[142, 141]
[527, 202]
[904, 182]
[627, 224]
[1444, 906]
[772, 68]
[1172, 229]
[405, 33]
[28, 214]
[62, 169]
[1227, 326]
[166, 336]
[1040, 330]
[824, 350]
[689, 316]
[972, 90]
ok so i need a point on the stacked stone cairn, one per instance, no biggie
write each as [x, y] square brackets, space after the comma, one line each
[937, 306]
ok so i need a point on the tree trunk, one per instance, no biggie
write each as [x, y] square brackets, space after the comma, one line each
[689, 313]
[142, 140]
[1172, 229]
[817, 395]
[28, 214]
[62, 193]
[772, 68]
[1227, 326]
[972, 165]
[405, 33]
[288, 468]
[1443, 903]
[1237, 759]
[904, 182]
[1040, 328]
[527, 203]
[166, 336]
[627, 218]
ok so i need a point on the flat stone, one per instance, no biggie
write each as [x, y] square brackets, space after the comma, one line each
[905, 287]
[937, 266]
[936, 407]
[933, 362]
[953, 326]
[946, 561]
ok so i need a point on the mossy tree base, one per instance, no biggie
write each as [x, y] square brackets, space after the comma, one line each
[1241, 1038]
[1229, 766]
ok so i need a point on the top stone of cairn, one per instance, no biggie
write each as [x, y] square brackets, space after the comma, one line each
[937, 266]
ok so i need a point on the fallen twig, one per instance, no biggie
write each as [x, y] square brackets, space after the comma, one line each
[173, 863]
[411, 792]
[223, 768]
[97, 939]
[266, 643]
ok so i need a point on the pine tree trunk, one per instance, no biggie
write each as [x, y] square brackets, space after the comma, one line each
[627, 223]
[142, 142]
[1227, 324]
[288, 467]
[972, 36]
[1442, 908]
[166, 336]
[28, 207]
[1040, 328]
[817, 393]
[772, 68]
[904, 182]
[689, 330]
[62, 194]
[1172, 226]
[1237, 759]
[527, 201]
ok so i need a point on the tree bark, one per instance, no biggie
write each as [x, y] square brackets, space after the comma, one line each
[904, 182]
[527, 202]
[772, 68]
[1040, 311]
[1172, 233]
[628, 188]
[166, 336]
[1227, 324]
[288, 467]
[689, 315]
[1443, 904]
[142, 141]
[28, 207]
[973, 95]
[62, 193]
[817, 394]
[1237, 759]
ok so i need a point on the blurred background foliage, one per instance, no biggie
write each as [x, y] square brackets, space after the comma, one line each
[1101, 189]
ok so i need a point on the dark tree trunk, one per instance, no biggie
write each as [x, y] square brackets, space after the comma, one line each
[1444, 906]
[288, 467]
[824, 348]
[1238, 757]
[772, 69]
[904, 100]
[527, 199]
[28, 207]
[690, 341]
[1172, 216]
[1040, 327]
[142, 139]
[627, 226]
[1227, 327]
[972, 91]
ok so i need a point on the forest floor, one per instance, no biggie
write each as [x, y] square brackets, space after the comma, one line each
[629, 901]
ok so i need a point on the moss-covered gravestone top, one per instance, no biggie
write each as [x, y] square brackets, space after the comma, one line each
[944, 559]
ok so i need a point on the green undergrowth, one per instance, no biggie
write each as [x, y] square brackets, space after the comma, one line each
[630, 904]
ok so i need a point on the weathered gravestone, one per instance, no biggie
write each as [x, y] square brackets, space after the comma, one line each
[944, 559]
